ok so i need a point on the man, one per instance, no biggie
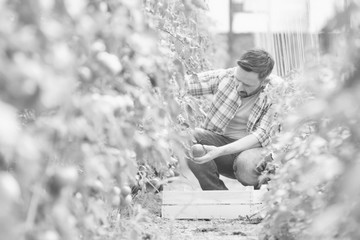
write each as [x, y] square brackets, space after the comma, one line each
[238, 124]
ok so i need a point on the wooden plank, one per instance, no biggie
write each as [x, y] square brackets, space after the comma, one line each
[207, 197]
[213, 197]
[209, 211]
[258, 195]
[211, 204]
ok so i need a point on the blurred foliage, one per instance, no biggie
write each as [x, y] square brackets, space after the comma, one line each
[89, 93]
[315, 193]
[183, 25]
[184, 30]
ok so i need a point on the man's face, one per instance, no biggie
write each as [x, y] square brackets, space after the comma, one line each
[247, 81]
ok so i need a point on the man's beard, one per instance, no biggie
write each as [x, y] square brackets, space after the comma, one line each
[241, 90]
[243, 93]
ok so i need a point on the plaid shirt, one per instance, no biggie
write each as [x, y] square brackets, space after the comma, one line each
[223, 86]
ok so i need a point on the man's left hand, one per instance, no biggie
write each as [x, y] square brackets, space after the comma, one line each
[212, 152]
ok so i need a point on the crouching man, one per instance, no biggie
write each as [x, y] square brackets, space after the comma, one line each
[238, 124]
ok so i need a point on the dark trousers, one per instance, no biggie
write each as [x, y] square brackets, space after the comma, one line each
[240, 166]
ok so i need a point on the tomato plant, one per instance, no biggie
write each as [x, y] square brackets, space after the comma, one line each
[315, 193]
[88, 94]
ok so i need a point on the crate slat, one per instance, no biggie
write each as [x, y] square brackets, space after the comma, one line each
[210, 204]
[206, 197]
[209, 211]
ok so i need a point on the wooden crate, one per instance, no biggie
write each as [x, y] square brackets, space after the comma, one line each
[211, 204]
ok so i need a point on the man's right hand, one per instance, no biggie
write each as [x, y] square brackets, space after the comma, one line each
[208, 153]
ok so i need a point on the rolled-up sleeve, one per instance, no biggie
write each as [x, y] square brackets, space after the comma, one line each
[205, 83]
[264, 130]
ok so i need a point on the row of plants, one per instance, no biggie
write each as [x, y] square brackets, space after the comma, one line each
[315, 193]
[89, 109]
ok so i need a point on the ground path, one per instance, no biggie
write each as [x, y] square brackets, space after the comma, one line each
[201, 229]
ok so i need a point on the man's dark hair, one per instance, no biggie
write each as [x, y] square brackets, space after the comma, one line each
[258, 61]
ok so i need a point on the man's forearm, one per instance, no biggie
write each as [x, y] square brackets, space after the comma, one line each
[212, 152]
[245, 143]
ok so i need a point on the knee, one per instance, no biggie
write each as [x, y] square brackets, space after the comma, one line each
[245, 167]
[199, 134]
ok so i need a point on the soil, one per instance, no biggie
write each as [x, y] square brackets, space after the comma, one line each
[200, 229]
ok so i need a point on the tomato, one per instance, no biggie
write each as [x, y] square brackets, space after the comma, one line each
[9, 187]
[95, 187]
[116, 190]
[125, 190]
[198, 150]
[126, 201]
[170, 173]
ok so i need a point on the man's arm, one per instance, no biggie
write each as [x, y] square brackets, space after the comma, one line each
[265, 129]
[206, 82]
[242, 144]
[268, 123]
[245, 143]
[259, 138]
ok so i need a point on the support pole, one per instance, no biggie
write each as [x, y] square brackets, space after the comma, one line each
[230, 33]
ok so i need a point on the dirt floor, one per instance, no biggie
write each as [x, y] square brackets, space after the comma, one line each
[200, 229]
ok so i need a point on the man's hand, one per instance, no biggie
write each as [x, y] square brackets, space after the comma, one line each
[211, 152]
